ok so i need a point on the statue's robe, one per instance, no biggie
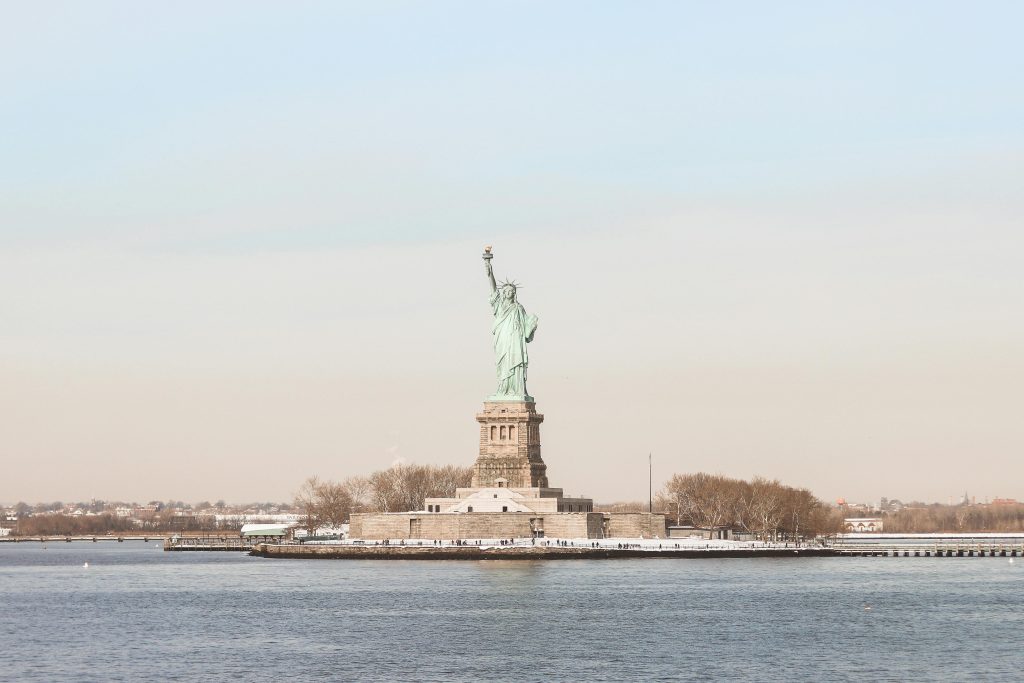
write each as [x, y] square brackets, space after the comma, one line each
[513, 329]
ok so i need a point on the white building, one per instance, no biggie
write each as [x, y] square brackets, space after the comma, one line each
[859, 525]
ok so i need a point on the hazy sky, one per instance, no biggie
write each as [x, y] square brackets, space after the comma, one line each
[240, 243]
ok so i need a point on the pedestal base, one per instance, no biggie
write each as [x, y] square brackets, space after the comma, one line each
[510, 446]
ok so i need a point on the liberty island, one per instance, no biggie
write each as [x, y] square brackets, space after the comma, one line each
[509, 496]
[510, 510]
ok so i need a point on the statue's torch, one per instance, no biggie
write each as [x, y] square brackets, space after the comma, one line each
[487, 253]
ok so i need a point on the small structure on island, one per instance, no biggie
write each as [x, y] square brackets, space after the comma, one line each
[510, 496]
[264, 532]
[720, 533]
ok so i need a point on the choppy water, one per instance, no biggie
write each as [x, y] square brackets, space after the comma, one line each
[138, 613]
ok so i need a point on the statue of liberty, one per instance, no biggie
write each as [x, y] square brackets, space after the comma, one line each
[512, 329]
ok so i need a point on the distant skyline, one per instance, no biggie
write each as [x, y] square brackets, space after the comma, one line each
[235, 504]
[240, 243]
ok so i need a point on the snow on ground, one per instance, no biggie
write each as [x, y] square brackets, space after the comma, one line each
[647, 544]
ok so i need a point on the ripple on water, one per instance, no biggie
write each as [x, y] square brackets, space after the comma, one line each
[139, 615]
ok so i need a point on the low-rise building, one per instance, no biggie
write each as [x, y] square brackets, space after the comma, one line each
[862, 524]
[264, 532]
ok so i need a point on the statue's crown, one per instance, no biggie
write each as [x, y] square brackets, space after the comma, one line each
[510, 283]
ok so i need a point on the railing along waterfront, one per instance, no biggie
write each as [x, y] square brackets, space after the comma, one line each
[51, 538]
[929, 548]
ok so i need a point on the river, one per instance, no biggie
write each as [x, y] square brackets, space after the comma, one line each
[137, 613]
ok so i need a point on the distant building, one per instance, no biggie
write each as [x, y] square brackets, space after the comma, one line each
[281, 518]
[687, 531]
[264, 532]
[891, 505]
[859, 525]
[1005, 501]
[340, 532]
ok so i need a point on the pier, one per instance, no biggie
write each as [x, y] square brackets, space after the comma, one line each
[959, 549]
[170, 542]
[551, 549]
[945, 544]
[88, 538]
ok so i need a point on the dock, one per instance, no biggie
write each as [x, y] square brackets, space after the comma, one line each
[958, 549]
[170, 542]
[88, 538]
[208, 543]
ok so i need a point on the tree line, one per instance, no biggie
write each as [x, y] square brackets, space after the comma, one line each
[23, 509]
[955, 518]
[320, 502]
[400, 488]
[106, 523]
[762, 507]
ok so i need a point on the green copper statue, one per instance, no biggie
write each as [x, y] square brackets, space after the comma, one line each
[513, 329]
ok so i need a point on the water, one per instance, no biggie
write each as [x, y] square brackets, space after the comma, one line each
[140, 614]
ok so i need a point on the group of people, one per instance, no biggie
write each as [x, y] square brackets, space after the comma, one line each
[533, 541]
[454, 541]
[459, 541]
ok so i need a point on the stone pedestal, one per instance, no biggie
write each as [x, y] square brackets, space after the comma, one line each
[510, 447]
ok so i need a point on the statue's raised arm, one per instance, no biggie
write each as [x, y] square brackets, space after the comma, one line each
[490, 271]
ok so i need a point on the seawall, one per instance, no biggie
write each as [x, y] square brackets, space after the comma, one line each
[398, 552]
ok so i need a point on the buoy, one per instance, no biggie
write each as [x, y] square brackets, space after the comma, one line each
[867, 608]
[85, 566]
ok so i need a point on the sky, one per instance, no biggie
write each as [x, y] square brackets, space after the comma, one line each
[240, 242]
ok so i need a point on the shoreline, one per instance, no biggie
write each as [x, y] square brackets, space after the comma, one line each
[398, 552]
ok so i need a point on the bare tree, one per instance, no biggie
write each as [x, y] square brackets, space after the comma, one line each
[743, 512]
[717, 502]
[306, 504]
[706, 500]
[766, 507]
[798, 504]
[360, 491]
[403, 488]
[386, 486]
[660, 504]
[761, 506]
[333, 504]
